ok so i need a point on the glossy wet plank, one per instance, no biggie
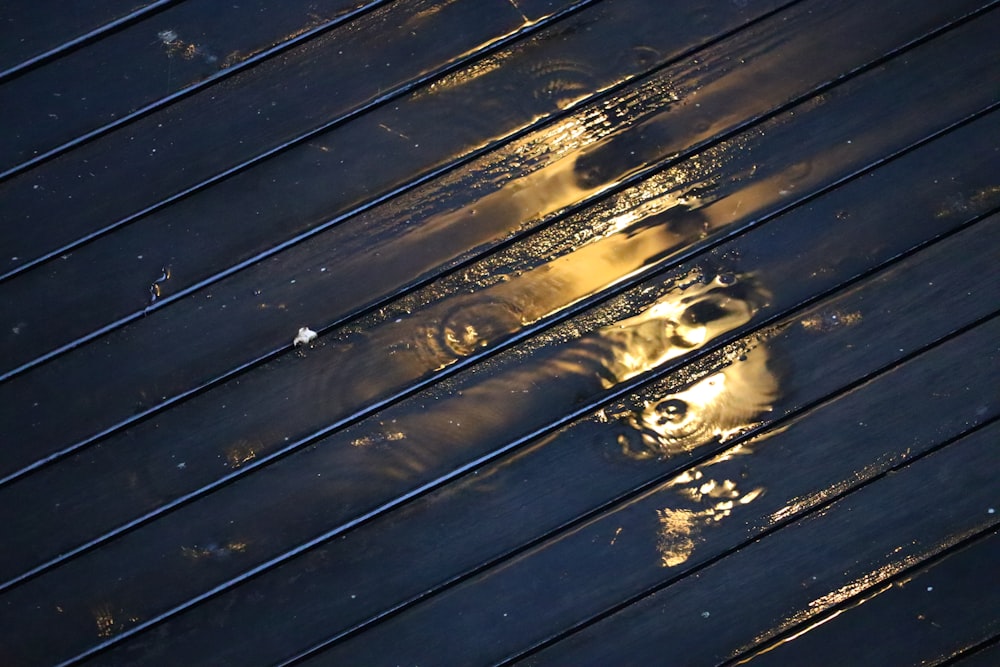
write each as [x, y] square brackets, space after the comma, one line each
[33, 32]
[786, 580]
[705, 616]
[618, 299]
[202, 138]
[364, 160]
[318, 277]
[924, 618]
[142, 66]
[985, 656]
[339, 463]
[118, 480]
[658, 537]
[814, 353]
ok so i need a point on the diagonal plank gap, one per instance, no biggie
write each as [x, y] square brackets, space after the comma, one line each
[192, 392]
[259, 570]
[954, 452]
[897, 601]
[575, 539]
[266, 55]
[229, 478]
[85, 39]
[143, 110]
[984, 654]
[625, 498]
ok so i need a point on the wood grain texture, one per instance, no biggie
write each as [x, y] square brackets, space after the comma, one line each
[202, 434]
[133, 69]
[225, 311]
[628, 333]
[318, 182]
[935, 612]
[983, 657]
[398, 557]
[33, 32]
[804, 569]
[201, 138]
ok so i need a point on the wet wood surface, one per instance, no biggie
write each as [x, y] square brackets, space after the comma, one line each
[644, 332]
[931, 606]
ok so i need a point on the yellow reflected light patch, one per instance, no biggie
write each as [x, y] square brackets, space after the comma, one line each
[715, 408]
[679, 528]
[676, 538]
[828, 321]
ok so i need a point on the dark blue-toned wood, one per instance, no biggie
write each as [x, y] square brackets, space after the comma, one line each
[786, 579]
[986, 655]
[646, 332]
[318, 182]
[935, 613]
[581, 462]
[198, 140]
[120, 468]
[320, 273]
[32, 32]
[136, 69]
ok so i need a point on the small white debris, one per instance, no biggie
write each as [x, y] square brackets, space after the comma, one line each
[306, 336]
[930, 588]
[705, 614]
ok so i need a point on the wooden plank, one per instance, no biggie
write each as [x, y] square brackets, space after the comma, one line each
[923, 618]
[47, 109]
[986, 656]
[261, 110]
[164, 545]
[32, 32]
[785, 578]
[121, 479]
[241, 322]
[662, 535]
[113, 285]
[143, 66]
[369, 571]
[352, 157]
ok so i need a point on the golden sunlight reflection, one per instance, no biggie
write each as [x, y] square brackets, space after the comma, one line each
[541, 191]
[713, 409]
[815, 624]
[798, 505]
[563, 366]
[862, 588]
[632, 239]
[545, 274]
[712, 499]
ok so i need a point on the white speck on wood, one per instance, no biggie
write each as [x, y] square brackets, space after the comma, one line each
[305, 336]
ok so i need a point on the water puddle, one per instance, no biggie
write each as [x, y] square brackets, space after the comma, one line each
[554, 373]
[408, 346]
[714, 408]
[711, 410]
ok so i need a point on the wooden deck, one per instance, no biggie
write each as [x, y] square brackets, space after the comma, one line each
[648, 333]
